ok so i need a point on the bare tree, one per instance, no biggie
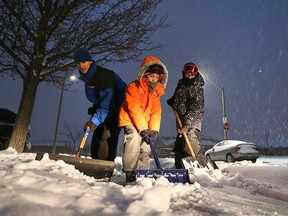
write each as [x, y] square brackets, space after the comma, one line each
[74, 134]
[38, 37]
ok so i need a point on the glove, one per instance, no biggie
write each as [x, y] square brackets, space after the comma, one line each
[145, 134]
[91, 110]
[91, 125]
[153, 134]
[184, 129]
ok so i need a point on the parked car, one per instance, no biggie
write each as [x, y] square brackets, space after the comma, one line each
[233, 150]
[7, 120]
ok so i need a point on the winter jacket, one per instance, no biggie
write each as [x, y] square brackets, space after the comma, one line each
[188, 101]
[141, 108]
[105, 89]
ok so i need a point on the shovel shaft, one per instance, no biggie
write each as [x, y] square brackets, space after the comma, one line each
[155, 156]
[178, 119]
[184, 134]
[189, 145]
[202, 161]
[84, 138]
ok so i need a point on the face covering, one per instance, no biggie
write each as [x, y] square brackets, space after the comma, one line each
[187, 81]
[152, 85]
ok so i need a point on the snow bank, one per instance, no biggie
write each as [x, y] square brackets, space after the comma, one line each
[47, 187]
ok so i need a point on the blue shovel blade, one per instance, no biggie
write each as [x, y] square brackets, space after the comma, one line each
[173, 175]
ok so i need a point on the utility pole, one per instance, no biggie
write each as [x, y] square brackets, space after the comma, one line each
[224, 119]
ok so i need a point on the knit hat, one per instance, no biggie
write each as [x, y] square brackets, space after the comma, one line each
[82, 55]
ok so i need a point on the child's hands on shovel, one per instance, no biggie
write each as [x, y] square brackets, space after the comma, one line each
[146, 134]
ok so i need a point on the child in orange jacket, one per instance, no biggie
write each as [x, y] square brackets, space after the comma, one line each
[140, 114]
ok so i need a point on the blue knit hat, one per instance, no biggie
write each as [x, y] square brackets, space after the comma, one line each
[82, 55]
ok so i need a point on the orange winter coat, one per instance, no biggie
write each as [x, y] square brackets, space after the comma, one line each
[141, 108]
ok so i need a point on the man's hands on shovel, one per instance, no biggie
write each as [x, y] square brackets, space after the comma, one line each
[89, 124]
[83, 141]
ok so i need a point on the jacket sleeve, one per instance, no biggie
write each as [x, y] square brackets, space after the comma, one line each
[195, 111]
[171, 101]
[135, 111]
[155, 117]
[105, 100]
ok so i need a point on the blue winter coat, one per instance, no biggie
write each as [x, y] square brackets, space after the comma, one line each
[105, 89]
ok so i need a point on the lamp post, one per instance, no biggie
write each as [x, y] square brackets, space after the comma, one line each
[58, 114]
[224, 120]
[59, 111]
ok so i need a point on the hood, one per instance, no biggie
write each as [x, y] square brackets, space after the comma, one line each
[151, 60]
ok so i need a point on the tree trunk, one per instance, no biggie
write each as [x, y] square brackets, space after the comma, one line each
[22, 123]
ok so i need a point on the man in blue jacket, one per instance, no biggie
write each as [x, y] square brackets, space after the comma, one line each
[106, 90]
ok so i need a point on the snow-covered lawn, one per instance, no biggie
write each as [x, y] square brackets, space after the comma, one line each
[47, 187]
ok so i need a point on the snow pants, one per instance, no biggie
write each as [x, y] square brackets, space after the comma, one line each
[181, 149]
[136, 151]
[105, 139]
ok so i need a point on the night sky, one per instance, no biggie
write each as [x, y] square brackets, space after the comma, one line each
[239, 45]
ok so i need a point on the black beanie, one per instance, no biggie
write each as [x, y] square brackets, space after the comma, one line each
[82, 55]
[189, 63]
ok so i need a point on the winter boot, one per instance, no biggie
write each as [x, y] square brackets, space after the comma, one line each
[130, 176]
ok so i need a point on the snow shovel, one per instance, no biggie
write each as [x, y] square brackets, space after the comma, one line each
[173, 175]
[188, 162]
[92, 167]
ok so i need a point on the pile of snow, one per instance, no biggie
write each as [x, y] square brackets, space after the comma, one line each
[47, 187]
[267, 180]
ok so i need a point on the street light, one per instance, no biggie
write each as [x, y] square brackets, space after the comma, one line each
[224, 120]
[73, 77]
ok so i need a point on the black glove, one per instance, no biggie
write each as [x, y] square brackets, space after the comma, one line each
[91, 125]
[145, 134]
[153, 134]
[91, 110]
